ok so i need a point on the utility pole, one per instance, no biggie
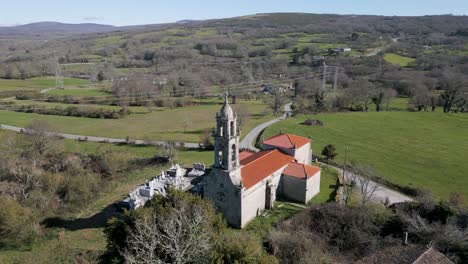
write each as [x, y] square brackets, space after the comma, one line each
[324, 81]
[58, 73]
[335, 82]
[346, 188]
[380, 65]
[345, 161]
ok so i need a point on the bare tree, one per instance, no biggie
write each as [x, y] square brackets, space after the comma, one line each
[360, 177]
[169, 151]
[454, 92]
[178, 237]
[41, 138]
[367, 187]
[186, 122]
[275, 103]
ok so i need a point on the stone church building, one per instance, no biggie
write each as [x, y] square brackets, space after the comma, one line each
[243, 184]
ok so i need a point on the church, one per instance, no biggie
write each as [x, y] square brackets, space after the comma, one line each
[243, 184]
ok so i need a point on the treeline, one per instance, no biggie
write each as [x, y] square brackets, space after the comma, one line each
[86, 112]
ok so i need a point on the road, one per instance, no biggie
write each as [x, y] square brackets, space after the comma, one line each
[249, 140]
[381, 193]
[103, 139]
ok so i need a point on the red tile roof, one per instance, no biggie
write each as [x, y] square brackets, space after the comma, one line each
[287, 141]
[245, 154]
[260, 165]
[301, 171]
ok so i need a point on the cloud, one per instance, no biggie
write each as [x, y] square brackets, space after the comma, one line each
[93, 18]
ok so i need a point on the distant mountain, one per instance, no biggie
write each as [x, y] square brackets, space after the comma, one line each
[44, 29]
[187, 21]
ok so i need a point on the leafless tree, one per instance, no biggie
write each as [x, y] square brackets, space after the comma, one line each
[367, 187]
[179, 237]
[186, 122]
[360, 177]
[41, 138]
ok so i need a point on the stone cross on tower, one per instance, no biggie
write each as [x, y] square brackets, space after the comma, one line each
[226, 138]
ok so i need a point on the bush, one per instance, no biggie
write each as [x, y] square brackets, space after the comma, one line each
[17, 225]
[350, 231]
[73, 111]
[298, 247]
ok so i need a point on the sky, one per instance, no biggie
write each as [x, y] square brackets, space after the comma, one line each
[137, 12]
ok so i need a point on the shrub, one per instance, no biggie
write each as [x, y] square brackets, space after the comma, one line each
[17, 225]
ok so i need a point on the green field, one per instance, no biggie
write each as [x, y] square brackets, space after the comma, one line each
[398, 60]
[328, 181]
[422, 150]
[38, 83]
[161, 124]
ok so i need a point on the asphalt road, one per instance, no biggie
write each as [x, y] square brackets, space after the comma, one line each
[249, 140]
[103, 139]
[381, 193]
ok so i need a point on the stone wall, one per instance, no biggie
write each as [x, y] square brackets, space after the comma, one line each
[224, 194]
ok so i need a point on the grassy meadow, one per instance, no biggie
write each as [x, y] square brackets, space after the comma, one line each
[38, 83]
[179, 124]
[422, 150]
[398, 59]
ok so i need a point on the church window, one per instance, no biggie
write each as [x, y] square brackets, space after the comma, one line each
[232, 128]
[220, 157]
[234, 156]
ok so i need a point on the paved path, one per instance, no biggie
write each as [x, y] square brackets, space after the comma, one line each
[103, 139]
[382, 193]
[249, 140]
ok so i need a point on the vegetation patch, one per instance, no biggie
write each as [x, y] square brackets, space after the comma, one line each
[398, 59]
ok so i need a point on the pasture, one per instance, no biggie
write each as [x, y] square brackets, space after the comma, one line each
[178, 124]
[37, 83]
[421, 150]
[398, 59]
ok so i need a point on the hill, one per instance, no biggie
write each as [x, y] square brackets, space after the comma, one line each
[47, 29]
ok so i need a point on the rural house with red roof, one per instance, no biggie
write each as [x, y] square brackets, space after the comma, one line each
[242, 185]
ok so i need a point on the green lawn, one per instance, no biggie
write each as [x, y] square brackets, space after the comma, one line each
[423, 150]
[161, 124]
[328, 181]
[398, 60]
[38, 83]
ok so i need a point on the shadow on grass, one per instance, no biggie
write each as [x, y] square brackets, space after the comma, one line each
[96, 221]
[191, 132]
[332, 196]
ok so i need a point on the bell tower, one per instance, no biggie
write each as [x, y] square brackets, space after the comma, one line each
[223, 185]
[226, 139]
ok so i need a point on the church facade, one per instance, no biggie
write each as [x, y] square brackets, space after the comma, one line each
[243, 184]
